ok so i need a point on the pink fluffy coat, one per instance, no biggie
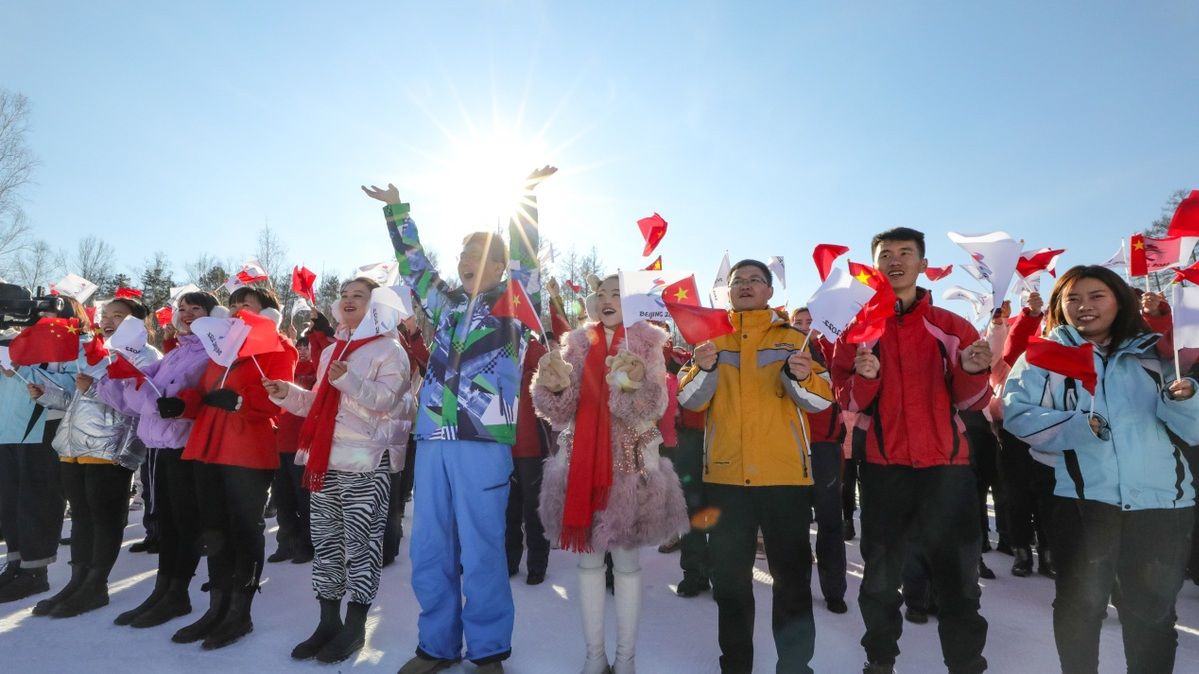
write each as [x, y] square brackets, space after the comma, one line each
[641, 510]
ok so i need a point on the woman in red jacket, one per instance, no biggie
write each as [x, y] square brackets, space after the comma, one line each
[233, 445]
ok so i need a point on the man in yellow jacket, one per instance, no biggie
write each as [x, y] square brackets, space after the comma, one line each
[757, 385]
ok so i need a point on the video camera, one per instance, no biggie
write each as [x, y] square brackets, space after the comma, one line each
[20, 307]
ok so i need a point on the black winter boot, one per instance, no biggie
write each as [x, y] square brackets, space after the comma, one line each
[160, 588]
[174, 603]
[9, 572]
[218, 605]
[1046, 567]
[236, 623]
[91, 595]
[351, 637]
[1022, 566]
[25, 583]
[326, 629]
[43, 607]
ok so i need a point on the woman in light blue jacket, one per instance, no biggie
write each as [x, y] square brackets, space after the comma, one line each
[1124, 502]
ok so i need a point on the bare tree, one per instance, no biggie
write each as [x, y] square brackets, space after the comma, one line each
[39, 267]
[93, 259]
[16, 170]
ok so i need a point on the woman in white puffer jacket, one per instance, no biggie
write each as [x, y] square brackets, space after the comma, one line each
[358, 419]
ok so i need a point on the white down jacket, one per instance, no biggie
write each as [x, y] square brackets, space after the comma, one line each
[376, 408]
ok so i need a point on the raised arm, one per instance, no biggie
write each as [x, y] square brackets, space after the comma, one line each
[415, 267]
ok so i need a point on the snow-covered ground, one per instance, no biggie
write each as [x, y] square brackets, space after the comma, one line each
[678, 635]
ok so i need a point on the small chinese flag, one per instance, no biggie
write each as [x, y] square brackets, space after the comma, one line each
[127, 293]
[871, 321]
[699, 324]
[1076, 362]
[938, 273]
[682, 292]
[263, 337]
[164, 316]
[656, 265]
[50, 340]
[1191, 274]
[1186, 217]
[120, 368]
[653, 229]
[303, 282]
[514, 303]
[94, 350]
[825, 255]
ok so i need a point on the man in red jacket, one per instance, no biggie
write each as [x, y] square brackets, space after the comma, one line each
[917, 483]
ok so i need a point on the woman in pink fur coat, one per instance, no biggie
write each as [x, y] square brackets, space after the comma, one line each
[607, 489]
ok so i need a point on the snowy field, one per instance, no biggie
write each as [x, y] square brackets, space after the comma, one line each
[678, 635]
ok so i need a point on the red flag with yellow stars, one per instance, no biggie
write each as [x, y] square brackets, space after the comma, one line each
[515, 303]
[871, 321]
[656, 265]
[653, 229]
[50, 340]
[682, 292]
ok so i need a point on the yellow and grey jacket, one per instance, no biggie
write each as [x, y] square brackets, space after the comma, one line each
[757, 428]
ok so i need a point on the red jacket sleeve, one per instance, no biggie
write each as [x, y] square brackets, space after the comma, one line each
[1024, 326]
[854, 393]
[969, 392]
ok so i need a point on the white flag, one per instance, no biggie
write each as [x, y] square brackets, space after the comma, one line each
[221, 337]
[73, 285]
[776, 267]
[981, 303]
[180, 291]
[384, 273]
[129, 339]
[641, 295]
[388, 307]
[996, 254]
[1119, 261]
[251, 271]
[1186, 326]
[836, 302]
[298, 305]
[1028, 284]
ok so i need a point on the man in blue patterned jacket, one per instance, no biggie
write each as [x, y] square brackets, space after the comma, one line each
[464, 432]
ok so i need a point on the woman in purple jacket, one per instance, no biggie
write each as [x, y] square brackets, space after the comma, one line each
[163, 431]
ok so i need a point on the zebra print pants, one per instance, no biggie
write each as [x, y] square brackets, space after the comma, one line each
[348, 517]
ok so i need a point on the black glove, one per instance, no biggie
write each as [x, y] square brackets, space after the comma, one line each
[223, 398]
[170, 408]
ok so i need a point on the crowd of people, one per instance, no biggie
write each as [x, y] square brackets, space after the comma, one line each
[602, 440]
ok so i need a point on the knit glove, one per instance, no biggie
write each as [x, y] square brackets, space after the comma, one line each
[553, 373]
[223, 398]
[626, 371]
[170, 408]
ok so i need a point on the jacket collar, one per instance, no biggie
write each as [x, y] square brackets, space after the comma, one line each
[754, 319]
[1067, 334]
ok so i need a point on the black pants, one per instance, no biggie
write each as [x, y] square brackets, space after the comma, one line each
[31, 502]
[984, 453]
[783, 514]
[180, 526]
[231, 502]
[148, 473]
[849, 488]
[1029, 486]
[830, 532]
[522, 508]
[99, 498]
[689, 463]
[292, 504]
[937, 509]
[401, 490]
[1146, 551]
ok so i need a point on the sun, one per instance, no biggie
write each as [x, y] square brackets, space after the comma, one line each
[487, 171]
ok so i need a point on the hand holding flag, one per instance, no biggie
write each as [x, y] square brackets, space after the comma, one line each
[515, 303]
[1075, 362]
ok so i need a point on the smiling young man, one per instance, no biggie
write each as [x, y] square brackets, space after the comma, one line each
[758, 386]
[464, 430]
[917, 483]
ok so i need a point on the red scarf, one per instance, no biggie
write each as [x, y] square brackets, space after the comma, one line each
[316, 435]
[590, 473]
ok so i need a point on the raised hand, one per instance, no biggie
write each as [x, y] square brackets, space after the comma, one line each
[536, 176]
[1151, 304]
[976, 357]
[391, 195]
[553, 373]
[551, 287]
[800, 364]
[626, 370]
[704, 355]
[1035, 304]
[276, 388]
[866, 364]
[1002, 314]
[1181, 389]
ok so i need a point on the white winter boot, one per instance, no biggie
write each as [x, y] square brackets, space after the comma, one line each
[628, 613]
[591, 601]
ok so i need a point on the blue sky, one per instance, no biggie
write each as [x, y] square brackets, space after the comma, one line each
[754, 127]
